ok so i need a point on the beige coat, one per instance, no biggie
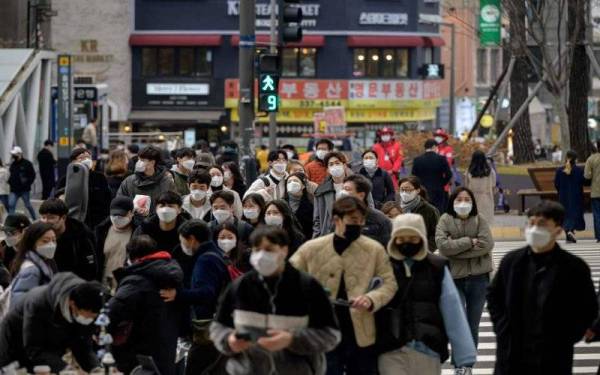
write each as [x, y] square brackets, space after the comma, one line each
[360, 263]
[454, 240]
[483, 189]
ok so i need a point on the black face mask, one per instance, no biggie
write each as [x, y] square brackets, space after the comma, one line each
[352, 232]
[409, 249]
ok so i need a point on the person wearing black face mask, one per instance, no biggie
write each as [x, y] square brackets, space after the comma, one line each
[346, 262]
[426, 313]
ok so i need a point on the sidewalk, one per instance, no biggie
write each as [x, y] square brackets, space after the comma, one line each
[511, 227]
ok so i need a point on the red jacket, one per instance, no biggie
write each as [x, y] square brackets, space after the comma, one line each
[447, 151]
[316, 171]
[390, 156]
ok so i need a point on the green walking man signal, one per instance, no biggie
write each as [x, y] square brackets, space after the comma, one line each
[268, 84]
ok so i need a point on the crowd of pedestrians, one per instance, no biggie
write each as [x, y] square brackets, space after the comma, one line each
[322, 267]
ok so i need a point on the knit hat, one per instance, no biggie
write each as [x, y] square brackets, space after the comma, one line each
[408, 225]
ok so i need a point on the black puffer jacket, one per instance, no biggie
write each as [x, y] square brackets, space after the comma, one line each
[22, 176]
[35, 331]
[141, 322]
[76, 251]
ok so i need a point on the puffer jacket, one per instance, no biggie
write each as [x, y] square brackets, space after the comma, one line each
[33, 272]
[153, 186]
[35, 330]
[363, 260]
[454, 240]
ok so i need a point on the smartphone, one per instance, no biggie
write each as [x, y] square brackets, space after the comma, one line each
[243, 336]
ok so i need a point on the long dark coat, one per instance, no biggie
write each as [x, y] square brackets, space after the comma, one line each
[570, 195]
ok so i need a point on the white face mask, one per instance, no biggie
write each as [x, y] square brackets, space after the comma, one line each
[463, 209]
[12, 240]
[140, 166]
[166, 214]
[370, 163]
[226, 245]
[227, 175]
[290, 155]
[87, 162]
[222, 215]
[120, 221]
[279, 167]
[216, 181]
[294, 187]
[336, 171]
[83, 321]
[537, 237]
[198, 195]
[274, 220]
[264, 262]
[188, 164]
[187, 250]
[251, 213]
[47, 251]
[386, 138]
[321, 154]
[438, 139]
[407, 197]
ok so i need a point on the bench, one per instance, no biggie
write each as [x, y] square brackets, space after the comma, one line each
[543, 180]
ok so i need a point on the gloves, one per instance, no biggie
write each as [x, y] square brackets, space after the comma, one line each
[463, 371]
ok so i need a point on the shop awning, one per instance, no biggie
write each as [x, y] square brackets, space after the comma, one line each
[307, 40]
[394, 41]
[174, 40]
[200, 117]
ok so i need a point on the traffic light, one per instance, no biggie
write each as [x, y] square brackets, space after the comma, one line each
[268, 83]
[290, 21]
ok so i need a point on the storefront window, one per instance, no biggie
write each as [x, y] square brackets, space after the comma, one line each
[299, 62]
[381, 63]
[359, 65]
[186, 61]
[166, 61]
[204, 65]
[149, 61]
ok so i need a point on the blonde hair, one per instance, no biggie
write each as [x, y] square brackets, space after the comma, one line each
[117, 163]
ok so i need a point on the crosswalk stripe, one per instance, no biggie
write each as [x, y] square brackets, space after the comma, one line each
[587, 356]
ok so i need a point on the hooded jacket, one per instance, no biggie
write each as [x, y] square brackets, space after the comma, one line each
[140, 184]
[140, 321]
[35, 332]
[22, 176]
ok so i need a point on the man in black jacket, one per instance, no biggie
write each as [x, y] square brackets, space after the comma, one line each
[541, 300]
[48, 321]
[141, 323]
[47, 164]
[434, 172]
[22, 176]
[75, 245]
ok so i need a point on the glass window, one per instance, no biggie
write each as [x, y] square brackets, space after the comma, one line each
[166, 61]
[373, 59]
[359, 65]
[148, 62]
[482, 65]
[290, 62]
[388, 63]
[402, 63]
[204, 65]
[428, 55]
[186, 61]
[308, 62]
[495, 64]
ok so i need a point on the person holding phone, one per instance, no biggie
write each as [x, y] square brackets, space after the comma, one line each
[274, 319]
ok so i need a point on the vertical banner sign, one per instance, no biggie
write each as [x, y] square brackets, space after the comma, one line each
[65, 106]
[489, 23]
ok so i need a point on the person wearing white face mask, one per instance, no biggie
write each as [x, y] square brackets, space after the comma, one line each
[465, 238]
[236, 253]
[222, 210]
[217, 183]
[279, 214]
[13, 228]
[300, 203]
[254, 207]
[413, 199]
[327, 193]
[316, 169]
[244, 329]
[162, 227]
[50, 321]
[186, 159]
[33, 265]
[383, 187]
[112, 236]
[541, 300]
[390, 155]
[197, 203]
[272, 185]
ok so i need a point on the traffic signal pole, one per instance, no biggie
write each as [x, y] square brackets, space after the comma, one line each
[273, 50]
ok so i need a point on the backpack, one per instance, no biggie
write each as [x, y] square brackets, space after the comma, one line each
[233, 271]
[266, 181]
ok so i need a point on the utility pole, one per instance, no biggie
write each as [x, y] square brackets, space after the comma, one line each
[452, 125]
[273, 50]
[246, 78]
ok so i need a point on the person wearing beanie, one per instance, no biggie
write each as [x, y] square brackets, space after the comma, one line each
[426, 313]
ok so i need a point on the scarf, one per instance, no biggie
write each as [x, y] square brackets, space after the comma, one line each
[409, 207]
[294, 202]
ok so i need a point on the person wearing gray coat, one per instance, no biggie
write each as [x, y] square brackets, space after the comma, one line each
[464, 237]
[151, 178]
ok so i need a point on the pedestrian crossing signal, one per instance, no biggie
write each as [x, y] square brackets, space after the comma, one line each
[268, 102]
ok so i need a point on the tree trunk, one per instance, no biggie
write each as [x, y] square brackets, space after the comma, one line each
[579, 81]
[519, 87]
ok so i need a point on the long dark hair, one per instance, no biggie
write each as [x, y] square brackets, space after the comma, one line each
[260, 201]
[32, 234]
[302, 177]
[290, 223]
[570, 162]
[236, 255]
[450, 208]
[479, 166]
[235, 172]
